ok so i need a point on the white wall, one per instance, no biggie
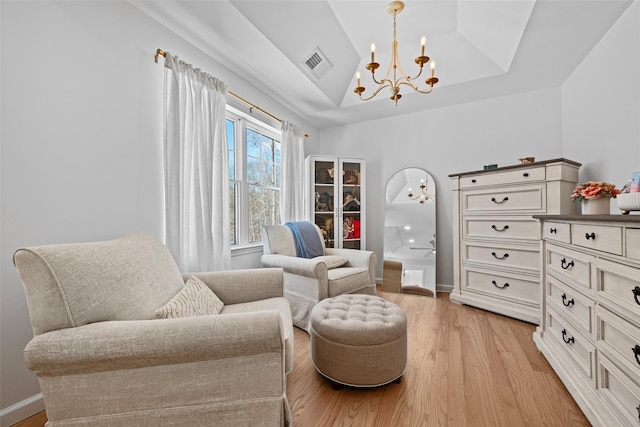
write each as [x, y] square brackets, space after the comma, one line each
[81, 143]
[446, 141]
[601, 105]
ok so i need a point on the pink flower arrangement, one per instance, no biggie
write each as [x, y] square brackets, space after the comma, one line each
[593, 190]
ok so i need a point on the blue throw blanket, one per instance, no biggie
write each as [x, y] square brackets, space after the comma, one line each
[305, 235]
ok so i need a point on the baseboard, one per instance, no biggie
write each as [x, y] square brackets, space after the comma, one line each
[21, 410]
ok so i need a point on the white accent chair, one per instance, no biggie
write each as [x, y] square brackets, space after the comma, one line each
[308, 281]
[103, 360]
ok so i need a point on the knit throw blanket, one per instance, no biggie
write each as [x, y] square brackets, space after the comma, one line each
[307, 240]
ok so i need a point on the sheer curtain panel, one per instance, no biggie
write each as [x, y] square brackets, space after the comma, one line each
[196, 171]
[292, 183]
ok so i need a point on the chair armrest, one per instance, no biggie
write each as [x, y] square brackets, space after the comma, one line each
[357, 258]
[295, 265]
[238, 286]
[118, 345]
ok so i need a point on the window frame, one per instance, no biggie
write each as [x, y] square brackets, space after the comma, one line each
[242, 122]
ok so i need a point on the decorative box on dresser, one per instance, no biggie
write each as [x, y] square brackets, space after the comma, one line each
[496, 240]
[590, 328]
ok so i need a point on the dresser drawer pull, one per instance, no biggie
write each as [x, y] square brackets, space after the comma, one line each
[493, 199]
[566, 303]
[473, 181]
[636, 294]
[591, 236]
[564, 264]
[526, 174]
[553, 231]
[506, 255]
[506, 285]
[569, 340]
[638, 408]
[505, 228]
[636, 352]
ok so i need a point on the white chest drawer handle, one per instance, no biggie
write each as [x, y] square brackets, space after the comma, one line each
[591, 236]
[636, 294]
[506, 255]
[569, 340]
[636, 353]
[506, 285]
[505, 228]
[493, 199]
[566, 303]
[553, 230]
[564, 264]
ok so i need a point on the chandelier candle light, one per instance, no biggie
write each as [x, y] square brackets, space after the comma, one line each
[394, 83]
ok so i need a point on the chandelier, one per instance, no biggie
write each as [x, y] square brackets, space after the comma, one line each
[423, 196]
[394, 82]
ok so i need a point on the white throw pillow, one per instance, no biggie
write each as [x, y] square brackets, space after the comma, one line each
[194, 299]
[332, 261]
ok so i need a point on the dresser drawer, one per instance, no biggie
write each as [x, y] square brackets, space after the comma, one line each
[632, 239]
[619, 392]
[618, 288]
[504, 255]
[513, 176]
[510, 287]
[558, 231]
[580, 350]
[571, 266]
[572, 305]
[504, 228]
[522, 199]
[598, 237]
[617, 336]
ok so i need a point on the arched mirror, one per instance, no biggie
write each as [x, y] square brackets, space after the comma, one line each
[409, 263]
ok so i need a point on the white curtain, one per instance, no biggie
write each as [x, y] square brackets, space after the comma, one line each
[196, 168]
[292, 183]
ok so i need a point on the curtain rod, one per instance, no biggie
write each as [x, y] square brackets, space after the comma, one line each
[160, 52]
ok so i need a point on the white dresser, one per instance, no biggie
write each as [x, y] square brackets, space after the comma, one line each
[590, 329]
[496, 240]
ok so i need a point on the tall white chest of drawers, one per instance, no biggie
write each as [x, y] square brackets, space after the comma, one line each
[496, 239]
[590, 329]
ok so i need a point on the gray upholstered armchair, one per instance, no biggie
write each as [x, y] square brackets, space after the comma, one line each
[103, 357]
[310, 280]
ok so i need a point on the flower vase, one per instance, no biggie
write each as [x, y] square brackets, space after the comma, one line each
[596, 207]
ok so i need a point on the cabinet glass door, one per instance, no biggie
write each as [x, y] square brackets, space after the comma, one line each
[324, 188]
[350, 204]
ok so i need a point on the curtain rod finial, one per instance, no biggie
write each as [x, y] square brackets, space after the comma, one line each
[160, 52]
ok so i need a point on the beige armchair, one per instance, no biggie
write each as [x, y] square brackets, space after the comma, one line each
[103, 360]
[310, 280]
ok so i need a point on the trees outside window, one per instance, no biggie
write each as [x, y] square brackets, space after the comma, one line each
[254, 176]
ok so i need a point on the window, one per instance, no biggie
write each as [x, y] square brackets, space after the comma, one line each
[254, 176]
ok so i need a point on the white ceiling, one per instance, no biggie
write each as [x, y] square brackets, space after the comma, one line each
[482, 48]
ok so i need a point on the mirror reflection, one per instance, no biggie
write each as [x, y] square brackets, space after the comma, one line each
[409, 263]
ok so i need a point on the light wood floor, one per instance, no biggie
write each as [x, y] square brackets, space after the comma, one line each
[467, 367]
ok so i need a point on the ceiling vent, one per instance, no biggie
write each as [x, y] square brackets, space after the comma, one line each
[317, 63]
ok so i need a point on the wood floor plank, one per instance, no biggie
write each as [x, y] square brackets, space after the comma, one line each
[466, 368]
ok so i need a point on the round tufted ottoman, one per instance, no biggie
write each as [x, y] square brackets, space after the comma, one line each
[359, 340]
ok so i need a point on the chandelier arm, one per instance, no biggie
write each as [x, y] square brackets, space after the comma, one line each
[386, 83]
[417, 89]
